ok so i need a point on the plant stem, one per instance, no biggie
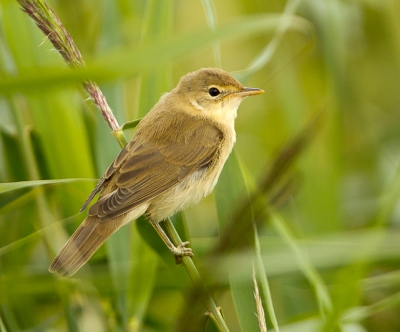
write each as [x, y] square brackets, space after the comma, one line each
[50, 24]
[195, 276]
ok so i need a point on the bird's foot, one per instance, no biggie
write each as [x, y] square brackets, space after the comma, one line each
[181, 251]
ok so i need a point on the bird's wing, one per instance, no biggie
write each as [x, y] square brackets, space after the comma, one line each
[118, 161]
[152, 168]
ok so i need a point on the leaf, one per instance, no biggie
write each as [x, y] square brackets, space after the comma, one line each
[4, 187]
[12, 156]
[211, 324]
[209, 11]
[119, 262]
[231, 191]
[309, 271]
[126, 62]
[261, 275]
[144, 266]
[130, 124]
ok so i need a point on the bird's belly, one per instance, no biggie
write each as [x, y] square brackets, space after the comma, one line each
[190, 191]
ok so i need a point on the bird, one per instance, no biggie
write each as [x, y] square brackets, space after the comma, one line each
[173, 160]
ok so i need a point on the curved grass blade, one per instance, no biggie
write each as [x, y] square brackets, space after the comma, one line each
[126, 62]
[130, 124]
[212, 23]
[310, 272]
[34, 236]
[9, 186]
[267, 53]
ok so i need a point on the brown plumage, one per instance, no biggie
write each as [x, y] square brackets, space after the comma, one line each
[173, 161]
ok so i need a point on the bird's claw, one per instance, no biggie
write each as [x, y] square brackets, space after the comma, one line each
[181, 251]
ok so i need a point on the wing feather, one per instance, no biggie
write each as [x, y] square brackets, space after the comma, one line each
[150, 167]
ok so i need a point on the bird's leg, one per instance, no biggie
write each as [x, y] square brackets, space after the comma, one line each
[178, 251]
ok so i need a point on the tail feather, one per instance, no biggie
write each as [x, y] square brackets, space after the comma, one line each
[89, 236]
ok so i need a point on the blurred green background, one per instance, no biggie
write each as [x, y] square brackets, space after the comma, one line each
[330, 250]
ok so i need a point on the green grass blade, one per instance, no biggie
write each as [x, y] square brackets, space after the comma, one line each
[144, 263]
[122, 63]
[130, 124]
[211, 324]
[270, 50]
[155, 81]
[231, 191]
[359, 314]
[314, 278]
[209, 11]
[261, 275]
[119, 261]
[4, 187]
[34, 236]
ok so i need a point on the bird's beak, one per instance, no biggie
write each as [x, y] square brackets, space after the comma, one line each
[249, 92]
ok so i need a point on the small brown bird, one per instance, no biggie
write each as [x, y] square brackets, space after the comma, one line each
[173, 160]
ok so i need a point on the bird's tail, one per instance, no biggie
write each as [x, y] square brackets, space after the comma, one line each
[89, 236]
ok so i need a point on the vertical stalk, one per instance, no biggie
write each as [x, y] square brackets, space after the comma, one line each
[196, 278]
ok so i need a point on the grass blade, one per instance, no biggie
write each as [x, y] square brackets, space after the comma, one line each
[231, 190]
[122, 63]
[4, 187]
[314, 278]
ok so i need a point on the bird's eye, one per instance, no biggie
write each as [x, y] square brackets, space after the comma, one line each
[213, 92]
